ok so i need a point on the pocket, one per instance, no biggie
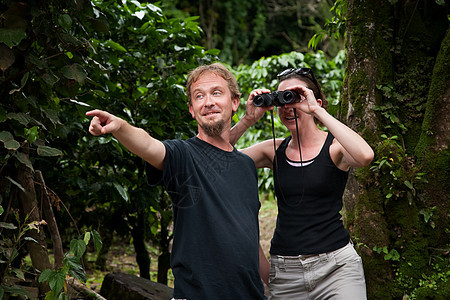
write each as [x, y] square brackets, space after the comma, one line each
[347, 255]
[274, 271]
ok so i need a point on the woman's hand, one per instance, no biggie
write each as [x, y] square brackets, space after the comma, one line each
[253, 113]
[308, 102]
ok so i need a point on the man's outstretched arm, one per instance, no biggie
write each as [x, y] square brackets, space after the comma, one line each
[133, 138]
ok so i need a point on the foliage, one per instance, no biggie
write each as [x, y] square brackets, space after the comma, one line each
[245, 31]
[433, 284]
[72, 266]
[395, 164]
[62, 58]
[10, 246]
[334, 28]
[388, 255]
[399, 177]
[262, 74]
[145, 86]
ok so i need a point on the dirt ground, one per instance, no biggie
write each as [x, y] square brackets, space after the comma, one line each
[267, 220]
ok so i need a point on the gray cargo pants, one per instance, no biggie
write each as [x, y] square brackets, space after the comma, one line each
[336, 275]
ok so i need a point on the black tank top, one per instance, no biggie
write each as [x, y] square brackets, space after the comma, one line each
[309, 202]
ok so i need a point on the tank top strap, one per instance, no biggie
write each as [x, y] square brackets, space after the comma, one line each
[284, 144]
[325, 151]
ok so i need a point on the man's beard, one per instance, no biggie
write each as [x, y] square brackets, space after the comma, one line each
[213, 130]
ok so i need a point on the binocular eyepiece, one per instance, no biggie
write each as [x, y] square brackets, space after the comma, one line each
[278, 98]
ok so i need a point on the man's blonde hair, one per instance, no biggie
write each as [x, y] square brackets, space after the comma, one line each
[217, 69]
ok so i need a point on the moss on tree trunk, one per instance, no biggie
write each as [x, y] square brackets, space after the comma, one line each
[397, 85]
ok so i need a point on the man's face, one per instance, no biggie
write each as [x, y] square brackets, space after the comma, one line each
[211, 104]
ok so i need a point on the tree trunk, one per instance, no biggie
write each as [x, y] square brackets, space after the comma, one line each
[51, 221]
[107, 240]
[163, 267]
[29, 207]
[165, 239]
[392, 51]
[142, 256]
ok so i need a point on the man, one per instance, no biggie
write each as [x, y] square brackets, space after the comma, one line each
[213, 189]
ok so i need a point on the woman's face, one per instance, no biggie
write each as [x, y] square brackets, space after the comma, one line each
[286, 115]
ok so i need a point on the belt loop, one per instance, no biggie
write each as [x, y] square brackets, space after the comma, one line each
[281, 263]
[323, 257]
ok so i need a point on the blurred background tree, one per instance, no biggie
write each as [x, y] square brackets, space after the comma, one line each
[246, 31]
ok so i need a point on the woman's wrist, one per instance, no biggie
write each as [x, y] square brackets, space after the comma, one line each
[320, 112]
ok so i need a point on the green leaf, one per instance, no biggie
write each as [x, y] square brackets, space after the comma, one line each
[50, 78]
[121, 191]
[76, 268]
[24, 79]
[2, 115]
[11, 145]
[213, 51]
[12, 254]
[19, 273]
[32, 134]
[8, 141]
[56, 282]
[65, 21]
[1, 210]
[140, 14]
[87, 237]
[24, 159]
[75, 72]
[48, 151]
[7, 57]
[408, 184]
[12, 37]
[7, 225]
[50, 295]
[97, 240]
[30, 239]
[5, 136]
[77, 247]
[22, 118]
[45, 275]
[115, 46]
[155, 9]
[16, 183]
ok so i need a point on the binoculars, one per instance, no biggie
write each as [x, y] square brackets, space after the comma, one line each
[278, 98]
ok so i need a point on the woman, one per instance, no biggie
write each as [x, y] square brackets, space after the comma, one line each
[311, 255]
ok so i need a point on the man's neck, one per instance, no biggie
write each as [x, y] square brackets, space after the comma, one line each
[220, 141]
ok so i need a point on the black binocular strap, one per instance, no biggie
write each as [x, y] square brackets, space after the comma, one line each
[276, 160]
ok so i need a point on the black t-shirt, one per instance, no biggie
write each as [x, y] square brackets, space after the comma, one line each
[309, 202]
[215, 253]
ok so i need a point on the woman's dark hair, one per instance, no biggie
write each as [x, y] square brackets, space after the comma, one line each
[312, 84]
